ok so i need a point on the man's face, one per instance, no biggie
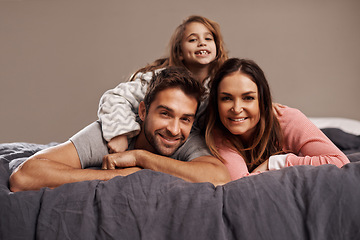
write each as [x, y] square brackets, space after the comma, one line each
[168, 122]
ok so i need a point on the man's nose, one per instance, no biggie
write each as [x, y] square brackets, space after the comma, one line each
[174, 127]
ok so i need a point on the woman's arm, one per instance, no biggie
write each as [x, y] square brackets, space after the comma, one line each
[307, 144]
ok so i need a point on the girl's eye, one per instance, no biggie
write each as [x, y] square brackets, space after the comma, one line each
[209, 39]
[192, 40]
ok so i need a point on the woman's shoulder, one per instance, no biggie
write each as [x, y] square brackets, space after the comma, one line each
[283, 111]
[291, 118]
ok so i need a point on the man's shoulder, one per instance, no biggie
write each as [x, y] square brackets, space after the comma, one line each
[194, 147]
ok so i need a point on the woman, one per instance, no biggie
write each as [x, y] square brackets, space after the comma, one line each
[250, 134]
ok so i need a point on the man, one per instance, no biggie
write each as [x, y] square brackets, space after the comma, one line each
[167, 114]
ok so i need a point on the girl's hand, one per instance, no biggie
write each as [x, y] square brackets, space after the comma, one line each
[119, 160]
[118, 144]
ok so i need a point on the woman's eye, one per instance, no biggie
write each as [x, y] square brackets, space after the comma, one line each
[249, 98]
[225, 98]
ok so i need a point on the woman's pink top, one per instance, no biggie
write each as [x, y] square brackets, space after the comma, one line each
[308, 145]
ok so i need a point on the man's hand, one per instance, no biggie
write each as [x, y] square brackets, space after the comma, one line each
[118, 144]
[120, 160]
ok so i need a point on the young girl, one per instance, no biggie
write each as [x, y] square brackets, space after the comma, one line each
[249, 133]
[196, 44]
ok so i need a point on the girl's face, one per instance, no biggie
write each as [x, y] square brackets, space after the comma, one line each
[238, 103]
[198, 45]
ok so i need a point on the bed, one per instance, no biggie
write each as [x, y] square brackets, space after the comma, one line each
[300, 202]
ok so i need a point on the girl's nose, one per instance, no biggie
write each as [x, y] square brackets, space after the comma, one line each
[202, 42]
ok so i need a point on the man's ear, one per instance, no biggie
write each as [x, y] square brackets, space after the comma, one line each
[142, 111]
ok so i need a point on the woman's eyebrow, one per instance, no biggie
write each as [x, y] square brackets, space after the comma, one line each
[245, 93]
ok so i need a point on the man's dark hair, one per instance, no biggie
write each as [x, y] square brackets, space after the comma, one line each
[174, 77]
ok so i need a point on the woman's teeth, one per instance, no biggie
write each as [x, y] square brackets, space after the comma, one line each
[237, 119]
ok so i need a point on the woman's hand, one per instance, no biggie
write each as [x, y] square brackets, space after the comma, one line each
[262, 167]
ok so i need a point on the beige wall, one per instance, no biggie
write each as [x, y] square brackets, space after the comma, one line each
[57, 57]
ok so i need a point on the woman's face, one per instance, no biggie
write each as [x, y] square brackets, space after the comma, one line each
[238, 104]
[198, 45]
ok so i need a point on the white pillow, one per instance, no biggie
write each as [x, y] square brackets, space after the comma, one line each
[347, 125]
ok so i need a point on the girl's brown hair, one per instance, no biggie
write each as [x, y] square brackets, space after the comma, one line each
[267, 139]
[175, 47]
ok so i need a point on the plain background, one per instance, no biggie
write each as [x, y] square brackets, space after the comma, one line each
[57, 57]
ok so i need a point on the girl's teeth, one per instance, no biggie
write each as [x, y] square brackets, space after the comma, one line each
[203, 52]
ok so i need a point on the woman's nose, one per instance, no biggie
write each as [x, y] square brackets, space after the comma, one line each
[237, 108]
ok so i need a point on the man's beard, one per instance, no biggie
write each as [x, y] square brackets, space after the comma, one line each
[159, 146]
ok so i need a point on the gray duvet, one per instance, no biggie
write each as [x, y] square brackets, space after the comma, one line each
[300, 202]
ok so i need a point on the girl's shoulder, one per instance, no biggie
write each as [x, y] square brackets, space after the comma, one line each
[145, 76]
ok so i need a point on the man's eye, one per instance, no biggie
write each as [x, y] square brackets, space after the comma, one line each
[187, 120]
[164, 113]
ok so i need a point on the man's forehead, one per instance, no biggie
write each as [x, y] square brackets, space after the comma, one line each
[174, 99]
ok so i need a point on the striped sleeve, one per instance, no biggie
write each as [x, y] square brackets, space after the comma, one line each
[118, 107]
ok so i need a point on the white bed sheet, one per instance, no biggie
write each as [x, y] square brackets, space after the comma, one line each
[347, 125]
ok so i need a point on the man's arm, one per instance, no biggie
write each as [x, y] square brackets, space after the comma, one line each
[200, 169]
[56, 166]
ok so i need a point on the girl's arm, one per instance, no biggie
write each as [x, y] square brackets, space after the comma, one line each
[118, 107]
[308, 144]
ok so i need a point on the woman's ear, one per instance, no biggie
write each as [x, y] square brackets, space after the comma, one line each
[181, 57]
[142, 111]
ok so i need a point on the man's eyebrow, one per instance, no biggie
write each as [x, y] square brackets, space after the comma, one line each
[165, 107]
[172, 110]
